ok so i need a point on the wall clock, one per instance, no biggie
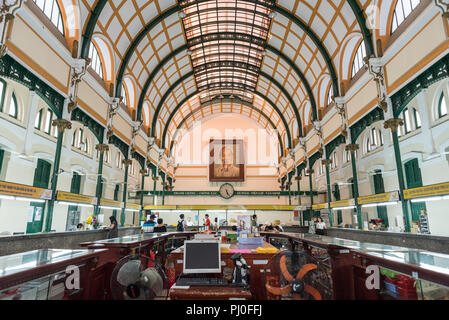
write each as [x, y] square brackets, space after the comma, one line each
[226, 191]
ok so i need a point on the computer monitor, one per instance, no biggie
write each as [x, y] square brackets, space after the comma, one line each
[202, 256]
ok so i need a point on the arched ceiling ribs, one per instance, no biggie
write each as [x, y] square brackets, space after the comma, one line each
[187, 98]
[186, 76]
[219, 101]
[367, 36]
[269, 47]
[318, 43]
[88, 32]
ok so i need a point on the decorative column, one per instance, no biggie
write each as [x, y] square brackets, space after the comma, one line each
[298, 181]
[327, 163]
[393, 124]
[8, 11]
[310, 171]
[352, 149]
[126, 163]
[143, 172]
[62, 124]
[101, 148]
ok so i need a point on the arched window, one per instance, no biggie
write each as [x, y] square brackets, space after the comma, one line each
[125, 96]
[146, 114]
[48, 120]
[13, 108]
[412, 121]
[374, 140]
[358, 63]
[52, 11]
[401, 12]
[442, 107]
[95, 60]
[38, 121]
[334, 160]
[329, 95]
[2, 93]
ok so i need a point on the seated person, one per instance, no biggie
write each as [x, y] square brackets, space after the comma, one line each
[80, 227]
[160, 227]
[373, 225]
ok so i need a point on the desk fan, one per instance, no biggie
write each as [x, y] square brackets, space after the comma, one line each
[131, 279]
[295, 275]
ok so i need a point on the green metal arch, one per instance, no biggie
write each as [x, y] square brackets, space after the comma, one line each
[367, 36]
[357, 128]
[180, 80]
[201, 107]
[284, 91]
[172, 114]
[358, 12]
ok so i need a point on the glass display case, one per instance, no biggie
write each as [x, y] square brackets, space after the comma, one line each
[42, 274]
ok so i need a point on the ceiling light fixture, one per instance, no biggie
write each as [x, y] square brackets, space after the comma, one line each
[182, 14]
[272, 14]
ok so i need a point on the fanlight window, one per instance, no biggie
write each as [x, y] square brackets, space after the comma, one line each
[95, 60]
[412, 121]
[125, 96]
[358, 59]
[401, 12]
[52, 11]
[442, 107]
[329, 96]
[374, 140]
[13, 109]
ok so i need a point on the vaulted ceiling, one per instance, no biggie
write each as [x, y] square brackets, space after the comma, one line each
[187, 58]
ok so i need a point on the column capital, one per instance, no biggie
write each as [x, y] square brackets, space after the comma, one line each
[62, 124]
[298, 178]
[143, 171]
[326, 162]
[393, 124]
[102, 147]
[127, 162]
[155, 178]
[352, 147]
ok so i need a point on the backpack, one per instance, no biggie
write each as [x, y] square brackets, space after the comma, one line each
[180, 226]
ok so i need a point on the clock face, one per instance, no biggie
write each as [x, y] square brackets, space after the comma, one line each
[226, 191]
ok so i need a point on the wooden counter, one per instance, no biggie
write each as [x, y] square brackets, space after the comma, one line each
[257, 261]
[209, 293]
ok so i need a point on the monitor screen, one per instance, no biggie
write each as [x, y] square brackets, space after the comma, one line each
[202, 256]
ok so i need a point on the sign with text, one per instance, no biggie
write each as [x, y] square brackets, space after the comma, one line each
[343, 203]
[381, 197]
[111, 203]
[319, 206]
[21, 190]
[76, 198]
[132, 206]
[439, 189]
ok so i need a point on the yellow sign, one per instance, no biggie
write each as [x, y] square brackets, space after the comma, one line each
[111, 203]
[76, 198]
[221, 207]
[343, 203]
[438, 189]
[381, 197]
[319, 206]
[21, 190]
[132, 206]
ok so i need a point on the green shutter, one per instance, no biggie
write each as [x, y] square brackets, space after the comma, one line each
[379, 188]
[336, 198]
[414, 180]
[42, 174]
[2, 154]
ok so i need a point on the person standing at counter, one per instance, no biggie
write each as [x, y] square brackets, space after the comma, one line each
[320, 226]
[160, 227]
[181, 226]
[113, 228]
[207, 222]
[312, 226]
[254, 223]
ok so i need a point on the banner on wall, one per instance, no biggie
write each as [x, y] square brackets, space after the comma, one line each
[21, 190]
[381, 197]
[438, 189]
[320, 206]
[343, 203]
[76, 198]
[111, 203]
